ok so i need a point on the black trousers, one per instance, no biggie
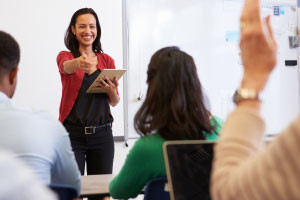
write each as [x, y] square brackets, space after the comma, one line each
[96, 150]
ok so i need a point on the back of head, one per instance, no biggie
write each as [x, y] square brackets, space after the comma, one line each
[174, 104]
[9, 54]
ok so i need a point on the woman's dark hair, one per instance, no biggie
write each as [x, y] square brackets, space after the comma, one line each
[71, 41]
[174, 104]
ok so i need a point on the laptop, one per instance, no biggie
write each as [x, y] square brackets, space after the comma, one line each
[188, 166]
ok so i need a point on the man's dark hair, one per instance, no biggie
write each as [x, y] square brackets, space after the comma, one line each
[9, 53]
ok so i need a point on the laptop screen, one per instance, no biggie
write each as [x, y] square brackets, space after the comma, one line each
[188, 165]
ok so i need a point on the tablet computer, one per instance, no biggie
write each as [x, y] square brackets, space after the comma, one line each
[188, 166]
[110, 73]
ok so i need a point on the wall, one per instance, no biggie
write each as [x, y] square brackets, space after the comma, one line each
[39, 27]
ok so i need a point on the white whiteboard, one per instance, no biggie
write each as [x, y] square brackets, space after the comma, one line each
[209, 31]
[39, 27]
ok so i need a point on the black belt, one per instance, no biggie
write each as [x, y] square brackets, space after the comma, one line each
[87, 129]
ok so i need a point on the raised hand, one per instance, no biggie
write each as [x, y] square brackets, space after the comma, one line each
[258, 46]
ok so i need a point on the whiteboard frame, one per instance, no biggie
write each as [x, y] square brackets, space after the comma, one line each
[125, 65]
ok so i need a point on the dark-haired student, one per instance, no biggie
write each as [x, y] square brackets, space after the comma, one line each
[243, 168]
[173, 110]
[32, 135]
[87, 117]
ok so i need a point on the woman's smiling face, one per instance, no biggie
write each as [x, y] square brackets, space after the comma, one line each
[85, 30]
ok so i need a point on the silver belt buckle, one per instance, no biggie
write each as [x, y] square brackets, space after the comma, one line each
[89, 127]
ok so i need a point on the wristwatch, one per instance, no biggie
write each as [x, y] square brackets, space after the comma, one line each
[245, 94]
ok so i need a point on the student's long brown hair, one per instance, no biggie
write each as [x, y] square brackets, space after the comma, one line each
[174, 104]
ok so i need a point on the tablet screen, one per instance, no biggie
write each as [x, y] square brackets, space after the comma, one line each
[189, 168]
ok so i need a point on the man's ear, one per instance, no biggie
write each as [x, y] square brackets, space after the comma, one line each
[13, 75]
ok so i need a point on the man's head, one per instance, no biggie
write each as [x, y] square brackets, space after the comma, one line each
[9, 60]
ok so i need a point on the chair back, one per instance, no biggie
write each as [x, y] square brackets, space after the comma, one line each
[64, 192]
[155, 189]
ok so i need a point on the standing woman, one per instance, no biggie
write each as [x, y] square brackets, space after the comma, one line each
[86, 116]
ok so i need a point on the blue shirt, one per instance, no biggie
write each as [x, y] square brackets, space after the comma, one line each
[40, 141]
[18, 182]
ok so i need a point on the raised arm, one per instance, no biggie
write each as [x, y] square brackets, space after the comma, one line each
[258, 49]
[240, 170]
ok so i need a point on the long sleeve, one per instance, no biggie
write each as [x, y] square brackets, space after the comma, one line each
[144, 161]
[61, 58]
[242, 169]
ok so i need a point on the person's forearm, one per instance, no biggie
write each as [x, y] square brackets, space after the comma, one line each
[240, 139]
[251, 104]
[71, 66]
[114, 98]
